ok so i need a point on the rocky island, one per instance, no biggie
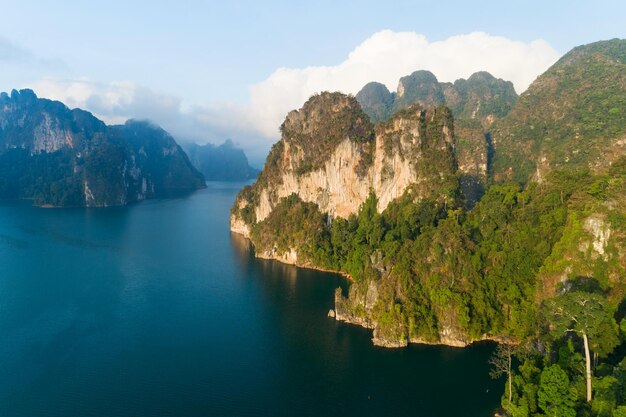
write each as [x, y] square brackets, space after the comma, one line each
[62, 157]
[461, 213]
[456, 209]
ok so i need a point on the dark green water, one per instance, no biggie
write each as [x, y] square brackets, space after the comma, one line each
[155, 310]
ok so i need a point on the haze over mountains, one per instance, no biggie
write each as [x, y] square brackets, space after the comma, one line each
[61, 157]
[225, 162]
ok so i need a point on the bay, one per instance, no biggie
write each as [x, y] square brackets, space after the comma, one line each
[157, 310]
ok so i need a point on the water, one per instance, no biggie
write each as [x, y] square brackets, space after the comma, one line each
[156, 310]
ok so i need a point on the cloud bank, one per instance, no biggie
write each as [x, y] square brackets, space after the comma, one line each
[384, 57]
[387, 56]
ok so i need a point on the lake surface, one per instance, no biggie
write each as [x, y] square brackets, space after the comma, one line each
[156, 310]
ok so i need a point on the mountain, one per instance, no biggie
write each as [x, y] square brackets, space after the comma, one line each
[376, 101]
[570, 127]
[481, 97]
[62, 157]
[537, 261]
[573, 116]
[475, 104]
[221, 163]
[385, 204]
[331, 155]
[421, 87]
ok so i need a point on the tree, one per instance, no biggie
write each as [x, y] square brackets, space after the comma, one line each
[620, 411]
[502, 364]
[588, 316]
[556, 397]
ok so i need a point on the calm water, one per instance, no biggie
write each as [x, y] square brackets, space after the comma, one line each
[156, 310]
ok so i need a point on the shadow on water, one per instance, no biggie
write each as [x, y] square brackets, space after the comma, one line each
[338, 363]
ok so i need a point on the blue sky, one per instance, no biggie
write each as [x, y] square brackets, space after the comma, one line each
[203, 58]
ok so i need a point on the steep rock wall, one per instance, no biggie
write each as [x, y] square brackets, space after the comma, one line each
[415, 148]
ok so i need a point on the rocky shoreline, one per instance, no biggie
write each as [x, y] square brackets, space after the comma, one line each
[343, 313]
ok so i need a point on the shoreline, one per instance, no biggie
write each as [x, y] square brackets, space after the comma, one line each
[299, 265]
[358, 321]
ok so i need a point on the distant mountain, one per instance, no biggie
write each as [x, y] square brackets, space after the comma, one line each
[421, 87]
[573, 116]
[62, 157]
[481, 97]
[476, 103]
[376, 101]
[225, 162]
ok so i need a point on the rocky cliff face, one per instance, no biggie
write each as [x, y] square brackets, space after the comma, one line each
[380, 202]
[305, 188]
[414, 148]
[43, 126]
[476, 103]
[62, 157]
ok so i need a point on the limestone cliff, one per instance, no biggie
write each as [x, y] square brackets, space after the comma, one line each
[476, 103]
[381, 202]
[414, 148]
[62, 157]
[328, 164]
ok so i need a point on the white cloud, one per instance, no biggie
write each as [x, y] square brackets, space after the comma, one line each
[118, 101]
[387, 56]
[384, 57]
[113, 102]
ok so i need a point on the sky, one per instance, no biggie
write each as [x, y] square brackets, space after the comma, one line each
[207, 70]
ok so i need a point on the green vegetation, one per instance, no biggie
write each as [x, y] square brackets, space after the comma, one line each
[323, 122]
[46, 178]
[442, 268]
[557, 379]
[61, 157]
[537, 260]
[569, 116]
[477, 269]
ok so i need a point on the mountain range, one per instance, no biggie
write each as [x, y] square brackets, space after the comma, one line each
[61, 157]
